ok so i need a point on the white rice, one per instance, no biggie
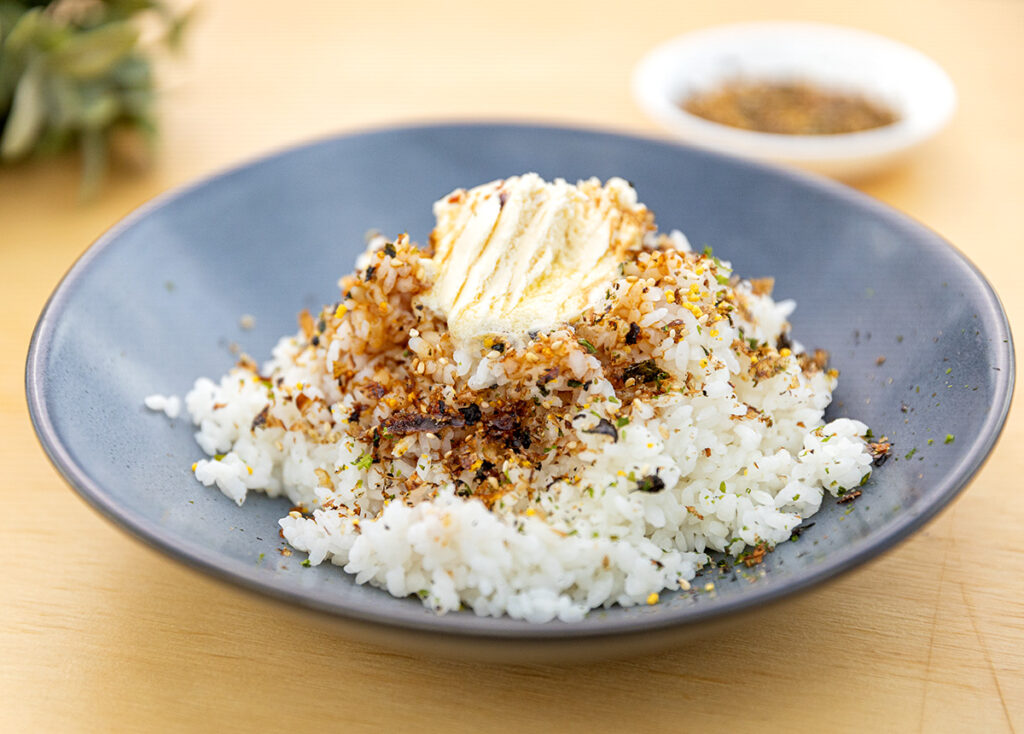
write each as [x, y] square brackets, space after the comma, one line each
[169, 405]
[732, 479]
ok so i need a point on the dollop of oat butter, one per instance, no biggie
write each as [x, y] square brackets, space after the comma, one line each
[522, 254]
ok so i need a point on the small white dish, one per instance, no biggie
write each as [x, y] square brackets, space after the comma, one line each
[832, 57]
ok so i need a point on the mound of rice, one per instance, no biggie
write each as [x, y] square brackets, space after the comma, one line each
[589, 464]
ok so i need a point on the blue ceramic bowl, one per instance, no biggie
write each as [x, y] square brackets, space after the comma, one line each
[156, 302]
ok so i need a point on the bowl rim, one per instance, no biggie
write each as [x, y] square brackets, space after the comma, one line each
[651, 94]
[468, 626]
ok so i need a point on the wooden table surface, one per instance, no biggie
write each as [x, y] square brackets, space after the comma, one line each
[98, 633]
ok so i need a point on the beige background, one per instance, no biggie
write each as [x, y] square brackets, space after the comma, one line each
[99, 633]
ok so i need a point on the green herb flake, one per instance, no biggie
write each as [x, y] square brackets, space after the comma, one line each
[363, 462]
[306, 563]
[931, 441]
[948, 370]
[910, 454]
[587, 345]
[949, 438]
[621, 421]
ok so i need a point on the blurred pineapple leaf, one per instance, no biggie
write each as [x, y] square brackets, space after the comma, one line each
[27, 113]
[93, 53]
[73, 74]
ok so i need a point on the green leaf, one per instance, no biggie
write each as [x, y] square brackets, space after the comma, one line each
[178, 25]
[127, 7]
[53, 141]
[94, 53]
[28, 114]
[133, 73]
[136, 104]
[65, 102]
[25, 32]
[94, 161]
[100, 110]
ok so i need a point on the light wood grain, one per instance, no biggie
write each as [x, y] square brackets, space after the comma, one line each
[100, 634]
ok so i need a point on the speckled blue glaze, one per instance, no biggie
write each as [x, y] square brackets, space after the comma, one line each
[156, 302]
